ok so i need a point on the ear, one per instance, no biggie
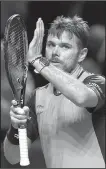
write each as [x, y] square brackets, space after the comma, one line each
[83, 54]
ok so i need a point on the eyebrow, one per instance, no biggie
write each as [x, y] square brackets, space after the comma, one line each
[62, 43]
[67, 44]
[49, 41]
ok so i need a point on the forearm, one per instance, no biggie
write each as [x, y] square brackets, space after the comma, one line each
[68, 85]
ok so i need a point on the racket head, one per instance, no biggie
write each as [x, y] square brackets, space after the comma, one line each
[15, 55]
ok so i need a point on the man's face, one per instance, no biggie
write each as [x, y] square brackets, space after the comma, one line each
[63, 52]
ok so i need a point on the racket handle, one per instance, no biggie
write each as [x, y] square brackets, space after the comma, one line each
[24, 159]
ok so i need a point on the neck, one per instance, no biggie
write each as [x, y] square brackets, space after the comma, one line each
[76, 71]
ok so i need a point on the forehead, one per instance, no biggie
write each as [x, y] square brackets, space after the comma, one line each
[65, 37]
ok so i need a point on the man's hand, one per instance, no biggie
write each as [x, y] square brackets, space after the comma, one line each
[18, 115]
[35, 46]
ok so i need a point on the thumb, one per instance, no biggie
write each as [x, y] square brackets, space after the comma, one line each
[14, 102]
[34, 40]
[26, 110]
[35, 36]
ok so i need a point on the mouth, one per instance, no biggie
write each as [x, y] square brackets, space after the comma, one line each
[54, 61]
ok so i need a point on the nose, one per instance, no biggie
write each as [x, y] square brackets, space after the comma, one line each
[55, 51]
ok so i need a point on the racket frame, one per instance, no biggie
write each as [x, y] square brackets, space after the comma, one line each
[24, 159]
[23, 83]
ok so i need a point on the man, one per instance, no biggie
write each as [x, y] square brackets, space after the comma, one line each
[61, 112]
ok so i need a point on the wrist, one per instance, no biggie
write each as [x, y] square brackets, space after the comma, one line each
[40, 64]
[36, 58]
[12, 135]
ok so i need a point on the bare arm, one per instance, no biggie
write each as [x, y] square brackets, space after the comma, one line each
[69, 86]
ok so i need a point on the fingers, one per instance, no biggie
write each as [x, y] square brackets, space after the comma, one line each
[26, 110]
[18, 111]
[18, 115]
[34, 40]
[41, 29]
[38, 35]
[41, 33]
[17, 122]
[35, 46]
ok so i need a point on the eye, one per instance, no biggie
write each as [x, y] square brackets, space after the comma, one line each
[49, 44]
[65, 46]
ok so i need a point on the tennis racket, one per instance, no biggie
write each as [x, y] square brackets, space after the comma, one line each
[16, 65]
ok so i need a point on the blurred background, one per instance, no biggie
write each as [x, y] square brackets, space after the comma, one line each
[91, 11]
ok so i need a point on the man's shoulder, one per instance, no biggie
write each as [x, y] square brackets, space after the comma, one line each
[84, 74]
[93, 76]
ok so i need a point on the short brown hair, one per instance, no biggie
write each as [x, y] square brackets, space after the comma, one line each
[74, 25]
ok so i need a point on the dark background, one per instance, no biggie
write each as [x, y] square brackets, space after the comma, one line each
[91, 11]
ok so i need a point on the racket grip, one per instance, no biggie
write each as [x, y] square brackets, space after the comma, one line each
[24, 159]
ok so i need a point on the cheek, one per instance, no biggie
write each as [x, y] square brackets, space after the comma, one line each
[48, 53]
[67, 56]
[70, 58]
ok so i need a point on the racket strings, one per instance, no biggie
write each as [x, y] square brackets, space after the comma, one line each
[17, 35]
[13, 61]
[15, 54]
[15, 47]
[15, 25]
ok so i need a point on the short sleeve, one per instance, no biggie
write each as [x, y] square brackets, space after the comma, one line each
[32, 125]
[97, 84]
